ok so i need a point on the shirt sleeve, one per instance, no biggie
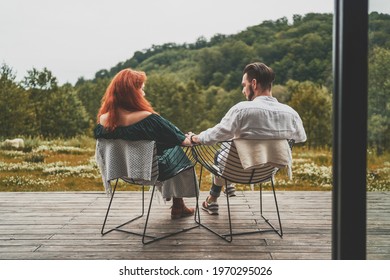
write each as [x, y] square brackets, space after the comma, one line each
[300, 135]
[224, 131]
[170, 133]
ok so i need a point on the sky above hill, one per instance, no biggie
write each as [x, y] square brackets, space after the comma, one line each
[76, 38]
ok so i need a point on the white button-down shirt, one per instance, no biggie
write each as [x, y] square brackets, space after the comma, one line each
[262, 118]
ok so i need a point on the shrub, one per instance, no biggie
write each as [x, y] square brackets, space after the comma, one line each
[35, 157]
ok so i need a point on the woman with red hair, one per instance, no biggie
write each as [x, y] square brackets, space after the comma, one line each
[126, 114]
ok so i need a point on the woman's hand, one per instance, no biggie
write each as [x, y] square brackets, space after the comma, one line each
[187, 141]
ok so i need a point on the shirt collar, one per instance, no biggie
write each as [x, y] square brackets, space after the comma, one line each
[265, 98]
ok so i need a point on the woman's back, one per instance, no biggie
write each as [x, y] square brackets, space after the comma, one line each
[126, 118]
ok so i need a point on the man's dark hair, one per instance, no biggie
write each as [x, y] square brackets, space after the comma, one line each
[263, 74]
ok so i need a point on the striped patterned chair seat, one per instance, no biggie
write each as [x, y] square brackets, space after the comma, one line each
[223, 161]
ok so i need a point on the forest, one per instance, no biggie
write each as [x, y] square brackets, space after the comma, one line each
[193, 85]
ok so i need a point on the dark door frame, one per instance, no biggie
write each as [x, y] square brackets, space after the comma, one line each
[350, 68]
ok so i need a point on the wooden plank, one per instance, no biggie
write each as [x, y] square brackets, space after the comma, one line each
[66, 225]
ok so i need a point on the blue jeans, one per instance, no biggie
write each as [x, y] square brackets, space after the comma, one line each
[215, 190]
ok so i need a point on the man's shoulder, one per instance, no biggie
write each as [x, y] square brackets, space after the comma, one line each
[263, 105]
[258, 103]
[242, 105]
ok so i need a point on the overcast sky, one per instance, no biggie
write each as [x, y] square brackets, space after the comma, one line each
[76, 38]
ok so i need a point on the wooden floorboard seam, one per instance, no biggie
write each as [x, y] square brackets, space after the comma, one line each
[66, 225]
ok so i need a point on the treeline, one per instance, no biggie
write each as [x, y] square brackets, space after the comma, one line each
[193, 85]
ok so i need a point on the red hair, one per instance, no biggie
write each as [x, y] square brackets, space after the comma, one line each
[124, 91]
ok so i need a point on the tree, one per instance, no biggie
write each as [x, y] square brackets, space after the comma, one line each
[281, 93]
[43, 80]
[16, 114]
[209, 61]
[58, 111]
[39, 85]
[182, 103]
[379, 99]
[65, 115]
[314, 104]
[201, 42]
[90, 94]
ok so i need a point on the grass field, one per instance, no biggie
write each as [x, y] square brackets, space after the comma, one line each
[69, 165]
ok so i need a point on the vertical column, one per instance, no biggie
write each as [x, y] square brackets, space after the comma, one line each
[350, 62]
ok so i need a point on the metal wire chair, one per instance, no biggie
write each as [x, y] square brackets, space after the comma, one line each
[118, 166]
[222, 160]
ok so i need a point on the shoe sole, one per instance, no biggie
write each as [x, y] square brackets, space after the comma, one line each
[209, 211]
[175, 217]
[231, 192]
[231, 195]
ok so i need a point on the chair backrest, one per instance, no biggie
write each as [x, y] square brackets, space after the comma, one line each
[233, 171]
[223, 160]
[132, 161]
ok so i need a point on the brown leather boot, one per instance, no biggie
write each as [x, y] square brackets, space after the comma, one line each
[179, 209]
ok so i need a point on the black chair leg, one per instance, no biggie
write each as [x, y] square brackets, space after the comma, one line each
[280, 230]
[229, 236]
[273, 228]
[119, 228]
[197, 191]
[198, 221]
[197, 211]
[156, 238]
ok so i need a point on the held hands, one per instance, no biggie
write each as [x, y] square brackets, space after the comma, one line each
[191, 139]
[187, 141]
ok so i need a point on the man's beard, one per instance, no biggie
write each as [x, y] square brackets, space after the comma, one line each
[251, 93]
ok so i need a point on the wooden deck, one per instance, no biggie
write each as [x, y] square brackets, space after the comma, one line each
[66, 225]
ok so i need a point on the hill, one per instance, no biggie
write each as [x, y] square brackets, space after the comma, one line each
[301, 51]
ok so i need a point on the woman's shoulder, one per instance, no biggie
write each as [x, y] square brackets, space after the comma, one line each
[139, 121]
[141, 114]
[134, 117]
[103, 119]
[127, 119]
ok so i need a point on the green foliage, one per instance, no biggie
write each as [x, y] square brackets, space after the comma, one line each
[64, 114]
[35, 157]
[189, 106]
[300, 51]
[222, 65]
[41, 108]
[313, 103]
[16, 113]
[43, 80]
[194, 85]
[379, 30]
[175, 100]
[379, 99]
[31, 143]
[70, 165]
[58, 111]
[90, 94]
[281, 93]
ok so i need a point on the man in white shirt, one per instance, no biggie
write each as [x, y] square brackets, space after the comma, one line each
[260, 117]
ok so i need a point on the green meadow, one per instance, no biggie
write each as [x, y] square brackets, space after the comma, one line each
[69, 165]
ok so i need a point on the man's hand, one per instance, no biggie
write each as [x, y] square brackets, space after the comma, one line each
[193, 138]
